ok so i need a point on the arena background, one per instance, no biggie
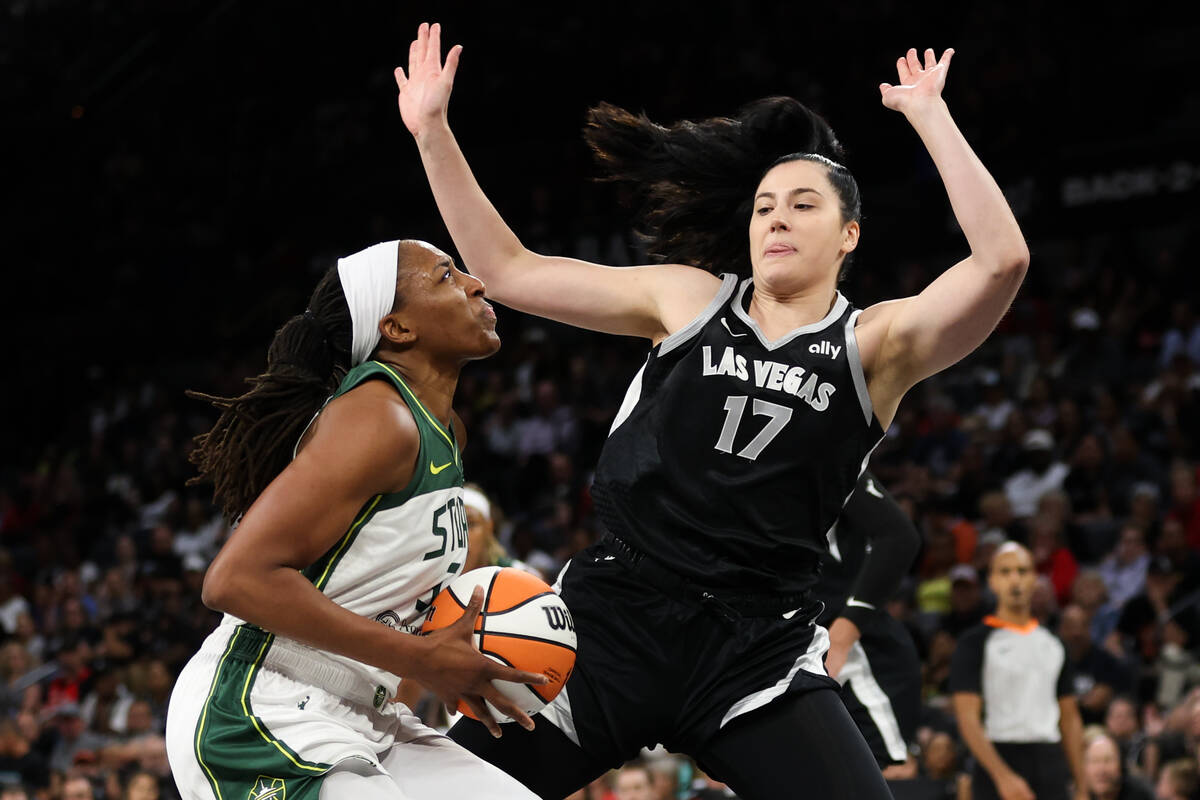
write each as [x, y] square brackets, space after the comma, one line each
[180, 174]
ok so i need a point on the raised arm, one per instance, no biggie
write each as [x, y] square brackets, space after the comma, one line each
[910, 339]
[649, 301]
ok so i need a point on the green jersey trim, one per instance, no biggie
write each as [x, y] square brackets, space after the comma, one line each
[318, 573]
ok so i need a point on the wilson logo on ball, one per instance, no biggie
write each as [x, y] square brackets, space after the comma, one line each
[559, 618]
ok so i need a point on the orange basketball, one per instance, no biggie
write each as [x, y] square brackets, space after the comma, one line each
[523, 624]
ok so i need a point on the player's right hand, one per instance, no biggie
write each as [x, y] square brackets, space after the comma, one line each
[455, 670]
[425, 90]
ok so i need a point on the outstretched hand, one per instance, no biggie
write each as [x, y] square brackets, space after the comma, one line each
[425, 90]
[918, 84]
[455, 669]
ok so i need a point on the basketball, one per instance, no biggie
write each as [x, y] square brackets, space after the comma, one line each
[523, 624]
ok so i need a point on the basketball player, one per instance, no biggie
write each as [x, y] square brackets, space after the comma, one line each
[351, 521]
[741, 437]
[872, 655]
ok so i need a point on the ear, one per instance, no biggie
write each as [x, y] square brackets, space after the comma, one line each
[393, 329]
[850, 234]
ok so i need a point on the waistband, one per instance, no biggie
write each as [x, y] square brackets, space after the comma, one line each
[253, 645]
[727, 604]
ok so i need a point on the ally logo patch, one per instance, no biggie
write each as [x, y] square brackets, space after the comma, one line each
[268, 788]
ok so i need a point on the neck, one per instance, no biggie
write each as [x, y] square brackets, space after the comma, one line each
[1014, 616]
[433, 385]
[778, 312]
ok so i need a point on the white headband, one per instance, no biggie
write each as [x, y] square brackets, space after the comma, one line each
[369, 284]
[473, 498]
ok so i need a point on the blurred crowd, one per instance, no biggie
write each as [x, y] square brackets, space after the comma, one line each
[1074, 430]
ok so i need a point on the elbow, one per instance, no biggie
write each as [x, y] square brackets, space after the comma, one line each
[216, 591]
[1014, 263]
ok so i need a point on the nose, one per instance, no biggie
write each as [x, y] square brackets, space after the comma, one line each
[778, 223]
[476, 287]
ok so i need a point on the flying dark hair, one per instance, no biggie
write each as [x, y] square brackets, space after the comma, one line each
[693, 182]
[253, 439]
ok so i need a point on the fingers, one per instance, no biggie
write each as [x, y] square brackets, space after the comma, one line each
[502, 673]
[421, 44]
[946, 56]
[902, 71]
[480, 711]
[914, 63]
[930, 58]
[883, 88]
[401, 80]
[414, 55]
[452, 63]
[433, 53]
[467, 620]
[510, 709]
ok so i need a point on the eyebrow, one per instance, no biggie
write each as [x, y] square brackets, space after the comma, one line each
[792, 193]
[442, 262]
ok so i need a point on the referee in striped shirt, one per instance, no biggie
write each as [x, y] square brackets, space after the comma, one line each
[1012, 689]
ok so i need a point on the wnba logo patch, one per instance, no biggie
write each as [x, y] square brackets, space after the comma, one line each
[266, 788]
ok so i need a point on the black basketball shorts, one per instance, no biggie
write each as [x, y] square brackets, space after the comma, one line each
[652, 669]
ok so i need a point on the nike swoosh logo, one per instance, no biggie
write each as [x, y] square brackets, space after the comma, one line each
[859, 604]
[731, 333]
[436, 470]
[871, 488]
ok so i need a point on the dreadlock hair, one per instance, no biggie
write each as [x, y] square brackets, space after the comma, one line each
[253, 439]
[693, 182]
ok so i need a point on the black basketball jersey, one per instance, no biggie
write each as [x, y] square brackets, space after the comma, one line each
[732, 455]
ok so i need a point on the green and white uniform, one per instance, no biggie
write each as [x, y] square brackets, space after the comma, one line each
[255, 716]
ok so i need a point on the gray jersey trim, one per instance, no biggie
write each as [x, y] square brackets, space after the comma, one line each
[839, 306]
[729, 282]
[856, 368]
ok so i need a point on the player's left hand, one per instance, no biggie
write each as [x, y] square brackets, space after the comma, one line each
[919, 84]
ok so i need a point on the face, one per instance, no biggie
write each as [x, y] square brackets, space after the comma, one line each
[634, 784]
[1121, 719]
[77, 789]
[1073, 628]
[479, 534]
[1102, 766]
[1012, 578]
[443, 307]
[797, 236]
[142, 787]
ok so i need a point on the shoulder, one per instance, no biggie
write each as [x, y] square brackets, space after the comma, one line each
[367, 432]
[974, 637]
[681, 293]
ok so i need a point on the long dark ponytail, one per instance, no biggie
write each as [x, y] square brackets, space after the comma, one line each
[253, 438]
[693, 182]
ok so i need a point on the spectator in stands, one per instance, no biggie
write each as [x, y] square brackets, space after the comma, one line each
[1042, 473]
[1099, 676]
[1124, 569]
[634, 782]
[1178, 780]
[1104, 772]
[967, 606]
